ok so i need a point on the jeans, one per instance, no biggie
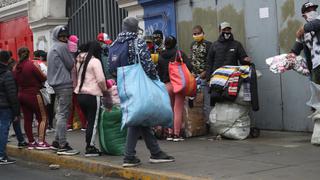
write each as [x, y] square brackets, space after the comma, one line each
[132, 138]
[5, 120]
[64, 101]
[17, 130]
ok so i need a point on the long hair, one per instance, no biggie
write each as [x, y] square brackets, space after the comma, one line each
[94, 49]
[23, 54]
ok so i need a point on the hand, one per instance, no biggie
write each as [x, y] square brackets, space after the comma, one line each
[203, 75]
[291, 55]
[300, 32]
[16, 118]
[247, 59]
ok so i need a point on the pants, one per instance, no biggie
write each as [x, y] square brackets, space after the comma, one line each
[133, 134]
[90, 106]
[33, 104]
[315, 75]
[5, 120]
[64, 100]
[76, 108]
[17, 130]
[50, 109]
[206, 103]
[177, 104]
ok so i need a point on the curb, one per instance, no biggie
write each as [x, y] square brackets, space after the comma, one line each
[94, 167]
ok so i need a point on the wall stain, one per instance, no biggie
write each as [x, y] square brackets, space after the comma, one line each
[288, 9]
[287, 35]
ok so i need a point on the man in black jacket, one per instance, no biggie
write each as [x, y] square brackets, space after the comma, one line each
[9, 105]
[225, 51]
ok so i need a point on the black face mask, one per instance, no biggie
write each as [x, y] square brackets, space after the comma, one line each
[226, 35]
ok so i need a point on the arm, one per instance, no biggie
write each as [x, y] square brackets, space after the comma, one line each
[67, 58]
[98, 73]
[146, 61]
[312, 26]
[11, 91]
[297, 48]
[209, 64]
[187, 61]
[38, 73]
[242, 55]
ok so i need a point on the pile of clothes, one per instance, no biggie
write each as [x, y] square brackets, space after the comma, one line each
[282, 63]
[226, 81]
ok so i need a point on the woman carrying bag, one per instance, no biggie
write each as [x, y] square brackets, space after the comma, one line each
[173, 55]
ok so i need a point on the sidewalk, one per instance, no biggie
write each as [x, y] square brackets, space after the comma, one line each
[274, 155]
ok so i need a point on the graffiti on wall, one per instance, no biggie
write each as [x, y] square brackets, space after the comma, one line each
[156, 22]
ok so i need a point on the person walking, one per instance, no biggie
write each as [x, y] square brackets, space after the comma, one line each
[30, 98]
[91, 85]
[129, 35]
[60, 64]
[9, 105]
[171, 54]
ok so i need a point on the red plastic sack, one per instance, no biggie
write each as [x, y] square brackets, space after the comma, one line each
[181, 78]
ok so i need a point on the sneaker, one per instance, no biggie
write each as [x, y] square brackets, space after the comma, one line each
[50, 130]
[43, 146]
[67, 150]
[161, 157]
[169, 138]
[92, 151]
[22, 145]
[83, 129]
[6, 160]
[32, 145]
[69, 129]
[54, 145]
[131, 162]
[177, 138]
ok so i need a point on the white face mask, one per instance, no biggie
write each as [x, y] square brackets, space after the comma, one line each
[311, 15]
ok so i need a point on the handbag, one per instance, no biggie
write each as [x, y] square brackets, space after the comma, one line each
[143, 101]
[45, 96]
[181, 78]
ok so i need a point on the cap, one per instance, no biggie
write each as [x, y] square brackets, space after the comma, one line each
[307, 5]
[130, 24]
[103, 37]
[225, 25]
[64, 31]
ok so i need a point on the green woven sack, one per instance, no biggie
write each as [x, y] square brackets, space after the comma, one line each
[112, 139]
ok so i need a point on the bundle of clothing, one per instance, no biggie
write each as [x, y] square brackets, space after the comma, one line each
[282, 63]
[225, 84]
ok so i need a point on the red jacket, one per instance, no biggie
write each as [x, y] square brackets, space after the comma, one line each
[29, 77]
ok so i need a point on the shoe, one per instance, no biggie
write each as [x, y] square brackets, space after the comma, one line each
[32, 145]
[169, 138]
[54, 145]
[22, 145]
[43, 146]
[161, 157]
[69, 129]
[83, 129]
[92, 151]
[50, 130]
[67, 150]
[177, 138]
[131, 162]
[6, 160]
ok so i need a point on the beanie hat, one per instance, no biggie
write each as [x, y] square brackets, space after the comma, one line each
[74, 39]
[130, 24]
[4, 56]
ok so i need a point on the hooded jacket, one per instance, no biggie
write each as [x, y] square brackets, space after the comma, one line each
[60, 63]
[224, 52]
[94, 82]
[8, 90]
[167, 56]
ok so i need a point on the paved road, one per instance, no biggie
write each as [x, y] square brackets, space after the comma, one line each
[31, 171]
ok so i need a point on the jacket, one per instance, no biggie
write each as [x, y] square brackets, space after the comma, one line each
[145, 57]
[224, 52]
[8, 90]
[94, 82]
[35, 78]
[313, 28]
[199, 52]
[60, 63]
[167, 56]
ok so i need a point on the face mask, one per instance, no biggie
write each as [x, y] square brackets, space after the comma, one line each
[198, 38]
[226, 35]
[311, 15]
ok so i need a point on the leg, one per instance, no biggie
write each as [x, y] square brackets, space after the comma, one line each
[150, 140]
[50, 109]
[27, 111]
[5, 119]
[64, 100]
[133, 134]
[172, 100]
[17, 129]
[42, 117]
[70, 119]
[81, 115]
[178, 111]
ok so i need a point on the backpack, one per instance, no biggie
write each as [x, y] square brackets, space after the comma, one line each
[118, 56]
